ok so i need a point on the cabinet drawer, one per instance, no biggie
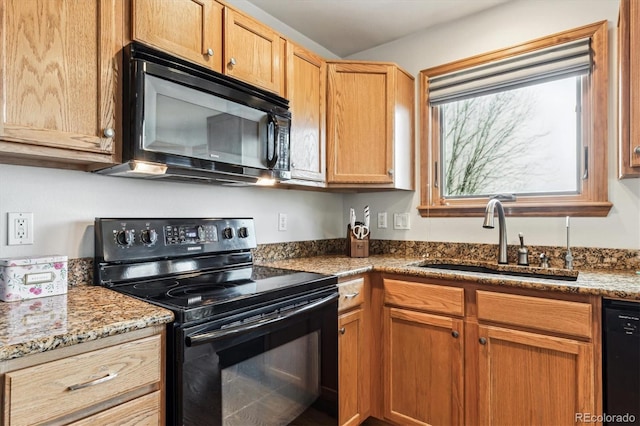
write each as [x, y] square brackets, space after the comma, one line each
[141, 411]
[351, 294]
[53, 389]
[427, 297]
[557, 316]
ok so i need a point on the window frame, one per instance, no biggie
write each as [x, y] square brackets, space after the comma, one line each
[593, 198]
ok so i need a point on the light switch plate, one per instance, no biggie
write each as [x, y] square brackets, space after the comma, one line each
[401, 221]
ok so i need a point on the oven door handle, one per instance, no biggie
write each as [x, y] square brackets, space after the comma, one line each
[211, 336]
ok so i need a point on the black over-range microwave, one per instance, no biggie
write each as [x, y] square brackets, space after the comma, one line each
[182, 121]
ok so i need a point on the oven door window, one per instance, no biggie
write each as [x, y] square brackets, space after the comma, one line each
[183, 121]
[273, 375]
[274, 387]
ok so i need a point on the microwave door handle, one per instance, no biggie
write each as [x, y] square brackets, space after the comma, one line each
[212, 336]
[272, 141]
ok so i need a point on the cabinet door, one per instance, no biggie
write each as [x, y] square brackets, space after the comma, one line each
[634, 48]
[307, 74]
[251, 51]
[528, 378]
[191, 29]
[629, 88]
[350, 355]
[423, 374]
[360, 123]
[59, 72]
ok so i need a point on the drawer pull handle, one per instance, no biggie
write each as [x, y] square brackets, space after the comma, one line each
[351, 295]
[106, 378]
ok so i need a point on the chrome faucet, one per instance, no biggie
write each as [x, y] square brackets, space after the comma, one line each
[502, 227]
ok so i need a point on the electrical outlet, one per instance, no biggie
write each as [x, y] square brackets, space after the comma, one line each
[282, 221]
[19, 228]
[382, 220]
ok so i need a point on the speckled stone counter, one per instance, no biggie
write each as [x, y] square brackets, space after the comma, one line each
[85, 313]
[618, 284]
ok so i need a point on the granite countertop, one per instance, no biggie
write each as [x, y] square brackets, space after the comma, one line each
[617, 284]
[89, 312]
[85, 313]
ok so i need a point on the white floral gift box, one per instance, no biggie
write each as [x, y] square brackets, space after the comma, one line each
[29, 277]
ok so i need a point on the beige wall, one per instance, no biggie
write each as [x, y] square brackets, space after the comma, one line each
[506, 25]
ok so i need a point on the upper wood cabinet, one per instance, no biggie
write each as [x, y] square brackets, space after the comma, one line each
[370, 125]
[252, 51]
[191, 29]
[629, 89]
[305, 89]
[60, 82]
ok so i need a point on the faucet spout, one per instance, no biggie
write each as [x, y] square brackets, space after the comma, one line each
[493, 205]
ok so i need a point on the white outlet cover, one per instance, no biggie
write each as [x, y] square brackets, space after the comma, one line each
[382, 220]
[282, 221]
[16, 235]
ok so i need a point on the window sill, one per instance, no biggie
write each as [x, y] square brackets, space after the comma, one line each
[577, 209]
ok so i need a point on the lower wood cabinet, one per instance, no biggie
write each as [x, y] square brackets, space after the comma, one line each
[353, 353]
[424, 354]
[533, 378]
[115, 380]
[455, 353]
[423, 378]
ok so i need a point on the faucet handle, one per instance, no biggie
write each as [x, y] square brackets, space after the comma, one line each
[544, 260]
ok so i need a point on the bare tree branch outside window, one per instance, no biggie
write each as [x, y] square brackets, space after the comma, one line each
[503, 143]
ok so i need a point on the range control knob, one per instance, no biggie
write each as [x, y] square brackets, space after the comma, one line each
[227, 233]
[243, 232]
[201, 234]
[149, 236]
[124, 238]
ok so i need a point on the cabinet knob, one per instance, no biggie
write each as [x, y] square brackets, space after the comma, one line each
[342, 330]
[109, 132]
[482, 341]
[636, 150]
[232, 61]
[293, 165]
[390, 172]
[209, 52]
[455, 334]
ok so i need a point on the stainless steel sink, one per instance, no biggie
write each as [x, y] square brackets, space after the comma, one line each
[511, 270]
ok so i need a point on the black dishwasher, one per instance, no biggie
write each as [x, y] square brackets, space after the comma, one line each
[621, 361]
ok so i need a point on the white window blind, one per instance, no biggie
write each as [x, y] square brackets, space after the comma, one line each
[568, 59]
